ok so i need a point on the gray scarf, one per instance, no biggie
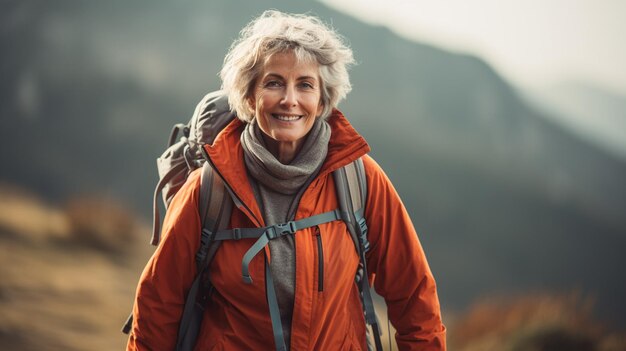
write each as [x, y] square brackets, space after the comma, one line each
[278, 188]
[284, 178]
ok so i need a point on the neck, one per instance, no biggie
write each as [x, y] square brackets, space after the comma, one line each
[284, 151]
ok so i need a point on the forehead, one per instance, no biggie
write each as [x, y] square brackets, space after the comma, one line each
[287, 64]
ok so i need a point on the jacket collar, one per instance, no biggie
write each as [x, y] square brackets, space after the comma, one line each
[226, 154]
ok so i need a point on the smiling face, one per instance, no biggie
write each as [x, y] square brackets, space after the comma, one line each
[287, 98]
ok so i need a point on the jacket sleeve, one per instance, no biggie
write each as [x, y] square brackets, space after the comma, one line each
[164, 283]
[402, 274]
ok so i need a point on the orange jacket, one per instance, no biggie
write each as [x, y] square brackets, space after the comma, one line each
[237, 317]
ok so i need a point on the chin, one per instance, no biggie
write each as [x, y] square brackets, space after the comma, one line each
[287, 137]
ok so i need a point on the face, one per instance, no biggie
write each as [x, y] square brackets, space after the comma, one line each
[287, 98]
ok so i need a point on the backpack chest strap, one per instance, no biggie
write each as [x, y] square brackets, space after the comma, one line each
[265, 234]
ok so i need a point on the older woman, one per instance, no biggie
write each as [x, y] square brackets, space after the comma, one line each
[284, 77]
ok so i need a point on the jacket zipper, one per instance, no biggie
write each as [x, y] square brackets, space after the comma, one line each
[320, 260]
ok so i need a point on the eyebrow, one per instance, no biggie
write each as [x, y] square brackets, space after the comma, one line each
[281, 77]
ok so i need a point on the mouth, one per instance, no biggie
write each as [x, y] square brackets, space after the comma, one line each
[287, 118]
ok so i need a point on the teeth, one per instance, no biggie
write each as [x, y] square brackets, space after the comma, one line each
[287, 118]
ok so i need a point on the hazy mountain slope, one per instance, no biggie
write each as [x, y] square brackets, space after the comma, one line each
[593, 113]
[504, 199]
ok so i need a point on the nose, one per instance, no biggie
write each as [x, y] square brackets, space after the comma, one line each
[290, 97]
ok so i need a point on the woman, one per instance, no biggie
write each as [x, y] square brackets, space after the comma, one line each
[284, 77]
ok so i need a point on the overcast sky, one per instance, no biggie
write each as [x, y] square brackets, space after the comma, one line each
[533, 43]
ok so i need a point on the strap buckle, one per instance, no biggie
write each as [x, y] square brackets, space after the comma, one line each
[281, 229]
[236, 233]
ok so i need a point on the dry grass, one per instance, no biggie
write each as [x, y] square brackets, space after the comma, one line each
[535, 322]
[60, 290]
[101, 223]
[23, 213]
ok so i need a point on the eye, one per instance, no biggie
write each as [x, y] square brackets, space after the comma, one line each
[307, 85]
[273, 84]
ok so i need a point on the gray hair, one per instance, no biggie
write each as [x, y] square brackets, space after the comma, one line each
[276, 32]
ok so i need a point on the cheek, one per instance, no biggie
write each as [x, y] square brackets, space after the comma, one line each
[255, 101]
[316, 105]
[264, 102]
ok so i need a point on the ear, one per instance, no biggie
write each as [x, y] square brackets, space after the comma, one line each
[320, 107]
[251, 102]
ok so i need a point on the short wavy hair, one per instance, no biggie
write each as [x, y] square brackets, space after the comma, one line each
[275, 32]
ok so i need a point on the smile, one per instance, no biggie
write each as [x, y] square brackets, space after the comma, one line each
[286, 118]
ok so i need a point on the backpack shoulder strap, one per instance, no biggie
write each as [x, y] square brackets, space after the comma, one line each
[214, 207]
[351, 187]
[357, 186]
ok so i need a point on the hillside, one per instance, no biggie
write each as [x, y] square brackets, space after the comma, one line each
[593, 113]
[63, 286]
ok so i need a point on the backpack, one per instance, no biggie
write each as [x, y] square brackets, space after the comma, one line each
[216, 199]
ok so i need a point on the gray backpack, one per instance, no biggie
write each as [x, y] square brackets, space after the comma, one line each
[183, 156]
[215, 205]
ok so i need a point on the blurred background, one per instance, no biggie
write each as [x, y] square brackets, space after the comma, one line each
[502, 127]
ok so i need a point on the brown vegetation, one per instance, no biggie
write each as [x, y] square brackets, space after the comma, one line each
[535, 322]
[66, 282]
[24, 213]
[100, 222]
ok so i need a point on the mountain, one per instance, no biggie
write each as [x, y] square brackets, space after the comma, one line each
[505, 200]
[594, 113]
